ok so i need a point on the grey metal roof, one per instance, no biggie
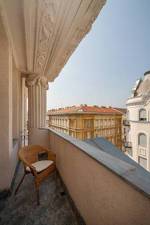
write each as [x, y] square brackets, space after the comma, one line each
[133, 173]
[106, 146]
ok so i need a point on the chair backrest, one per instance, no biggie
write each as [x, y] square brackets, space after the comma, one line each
[30, 153]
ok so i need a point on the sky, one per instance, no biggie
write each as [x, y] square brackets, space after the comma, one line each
[108, 61]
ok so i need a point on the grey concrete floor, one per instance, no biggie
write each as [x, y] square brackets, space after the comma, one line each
[54, 209]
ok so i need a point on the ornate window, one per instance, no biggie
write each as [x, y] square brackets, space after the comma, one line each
[142, 114]
[88, 123]
[142, 140]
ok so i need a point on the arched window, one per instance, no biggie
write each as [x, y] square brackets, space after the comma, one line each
[142, 140]
[142, 114]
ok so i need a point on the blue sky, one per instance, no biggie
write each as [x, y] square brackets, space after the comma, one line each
[109, 59]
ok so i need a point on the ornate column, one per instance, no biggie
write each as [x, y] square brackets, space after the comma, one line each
[37, 87]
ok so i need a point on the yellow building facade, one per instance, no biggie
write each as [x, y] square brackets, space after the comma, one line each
[86, 122]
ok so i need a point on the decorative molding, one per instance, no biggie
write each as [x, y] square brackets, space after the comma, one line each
[44, 33]
[47, 10]
[142, 151]
[30, 8]
[3, 16]
[33, 79]
[145, 100]
[79, 33]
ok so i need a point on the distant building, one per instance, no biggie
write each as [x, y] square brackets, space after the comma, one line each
[125, 127]
[138, 110]
[85, 122]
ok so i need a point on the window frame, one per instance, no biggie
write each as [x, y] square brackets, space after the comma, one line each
[142, 118]
[139, 140]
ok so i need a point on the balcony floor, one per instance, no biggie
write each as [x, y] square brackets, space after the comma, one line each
[54, 209]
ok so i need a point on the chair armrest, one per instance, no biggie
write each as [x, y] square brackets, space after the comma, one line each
[26, 164]
[33, 170]
[52, 156]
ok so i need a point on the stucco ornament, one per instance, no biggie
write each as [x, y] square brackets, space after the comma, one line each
[44, 33]
[33, 79]
[47, 16]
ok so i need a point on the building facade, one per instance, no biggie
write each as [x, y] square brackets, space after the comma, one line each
[138, 110]
[85, 122]
[125, 127]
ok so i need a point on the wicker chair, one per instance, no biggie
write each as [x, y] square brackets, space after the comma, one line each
[29, 155]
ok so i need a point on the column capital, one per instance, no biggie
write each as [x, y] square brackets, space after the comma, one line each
[33, 79]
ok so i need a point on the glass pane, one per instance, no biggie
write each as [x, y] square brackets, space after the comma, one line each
[142, 140]
[142, 114]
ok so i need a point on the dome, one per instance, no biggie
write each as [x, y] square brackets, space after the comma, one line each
[147, 72]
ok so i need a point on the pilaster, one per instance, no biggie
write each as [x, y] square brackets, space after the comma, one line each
[37, 87]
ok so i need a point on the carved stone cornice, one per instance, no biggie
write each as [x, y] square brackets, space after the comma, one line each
[47, 10]
[75, 37]
[44, 33]
[33, 79]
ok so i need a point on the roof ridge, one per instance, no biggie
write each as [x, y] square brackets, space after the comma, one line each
[85, 109]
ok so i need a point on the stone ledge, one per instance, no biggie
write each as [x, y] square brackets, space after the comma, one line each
[132, 173]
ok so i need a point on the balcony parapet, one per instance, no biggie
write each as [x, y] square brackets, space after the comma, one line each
[134, 100]
[142, 151]
[102, 174]
[140, 121]
[101, 178]
[122, 167]
[126, 122]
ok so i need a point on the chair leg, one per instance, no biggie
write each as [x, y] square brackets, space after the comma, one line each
[56, 177]
[37, 193]
[20, 183]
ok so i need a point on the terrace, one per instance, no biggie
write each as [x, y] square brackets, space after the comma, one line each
[105, 187]
[36, 40]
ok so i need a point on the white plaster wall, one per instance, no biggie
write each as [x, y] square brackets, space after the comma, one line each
[137, 128]
[134, 111]
[10, 112]
[5, 110]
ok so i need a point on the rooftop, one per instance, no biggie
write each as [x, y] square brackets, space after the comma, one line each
[122, 110]
[85, 109]
[147, 72]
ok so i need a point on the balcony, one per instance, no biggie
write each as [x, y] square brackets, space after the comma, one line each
[128, 144]
[126, 122]
[55, 209]
[99, 179]
[106, 187]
